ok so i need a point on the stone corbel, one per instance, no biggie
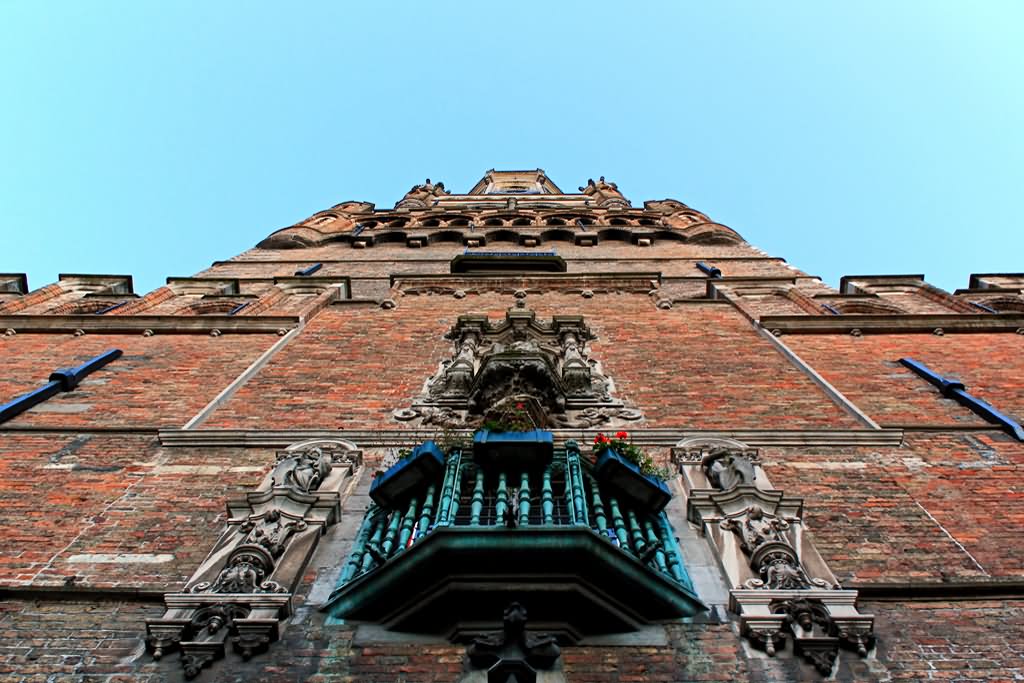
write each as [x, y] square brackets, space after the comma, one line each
[243, 590]
[782, 588]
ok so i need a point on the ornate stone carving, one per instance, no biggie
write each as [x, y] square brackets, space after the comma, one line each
[242, 591]
[513, 654]
[755, 529]
[774, 568]
[545, 365]
[727, 469]
[304, 471]
[246, 572]
[606, 194]
[763, 539]
[421, 196]
[697, 450]
[272, 531]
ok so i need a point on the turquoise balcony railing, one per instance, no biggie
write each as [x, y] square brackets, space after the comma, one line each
[471, 498]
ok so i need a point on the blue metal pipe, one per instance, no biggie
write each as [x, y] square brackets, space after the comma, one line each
[239, 307]
[987, 309]
[710, 271]
[951, 388]
[62, 379]
[831, 309]
[110, 308]
[306, 272]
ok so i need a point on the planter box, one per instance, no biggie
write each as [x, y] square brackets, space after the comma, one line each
[622, 477]
[425, 463]
[524, 450]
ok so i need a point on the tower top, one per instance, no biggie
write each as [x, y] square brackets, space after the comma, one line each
[515, 182]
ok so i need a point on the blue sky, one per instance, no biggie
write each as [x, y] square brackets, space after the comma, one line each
[154, 138]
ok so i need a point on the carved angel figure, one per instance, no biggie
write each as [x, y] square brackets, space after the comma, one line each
[782, 573]
[756, 529]
[727, 470]
[303, 472]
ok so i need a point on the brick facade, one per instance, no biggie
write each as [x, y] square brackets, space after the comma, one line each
[114, 493]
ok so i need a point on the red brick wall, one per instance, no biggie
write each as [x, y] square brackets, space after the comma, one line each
[68, 495]
[866, 370]
[694, 366]
[161, 380]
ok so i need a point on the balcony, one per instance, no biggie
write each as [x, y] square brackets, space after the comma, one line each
[447, 557]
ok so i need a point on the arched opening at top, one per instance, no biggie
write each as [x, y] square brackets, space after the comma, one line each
[445, 236]
[502, 236]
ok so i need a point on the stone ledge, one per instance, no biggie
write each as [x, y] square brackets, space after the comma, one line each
[867, 324]
[256, 438]
[159, 324]
[632, 281]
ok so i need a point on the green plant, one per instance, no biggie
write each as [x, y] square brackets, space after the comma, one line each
[514, 419]
[621, 444]
[449, 440]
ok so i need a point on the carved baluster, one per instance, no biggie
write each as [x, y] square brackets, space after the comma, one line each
[456, 494]
[572, 457]
[636, 534]
[428, 511]
[567, 494]
[618, 523]
[392, 535]
[478, 499]
[372, 556]
[654, 541]
[599, 516]
[501, 499]
[524, 500]
[355, 558]
[668, 541]
[451, 473]
[408, 522]
[547, 499]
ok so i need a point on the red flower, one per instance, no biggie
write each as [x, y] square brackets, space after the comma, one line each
[519, 406]
[622, 435]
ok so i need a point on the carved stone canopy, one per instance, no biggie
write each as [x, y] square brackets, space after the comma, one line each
[541, 363]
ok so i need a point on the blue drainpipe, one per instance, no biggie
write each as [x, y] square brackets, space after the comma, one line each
[951, 388]
[710, 271]
[62, 379]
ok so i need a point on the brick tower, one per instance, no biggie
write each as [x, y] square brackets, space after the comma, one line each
[516, 434]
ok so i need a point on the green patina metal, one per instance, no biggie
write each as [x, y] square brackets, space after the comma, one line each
[478, 533]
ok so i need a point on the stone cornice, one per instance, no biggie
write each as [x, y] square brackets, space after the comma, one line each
[367, 438]
[513, 281]
[893, 324]
[159, 324]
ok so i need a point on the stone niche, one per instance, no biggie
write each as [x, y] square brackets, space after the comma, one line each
[243, 590]
[543, 365]
[782, 589]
